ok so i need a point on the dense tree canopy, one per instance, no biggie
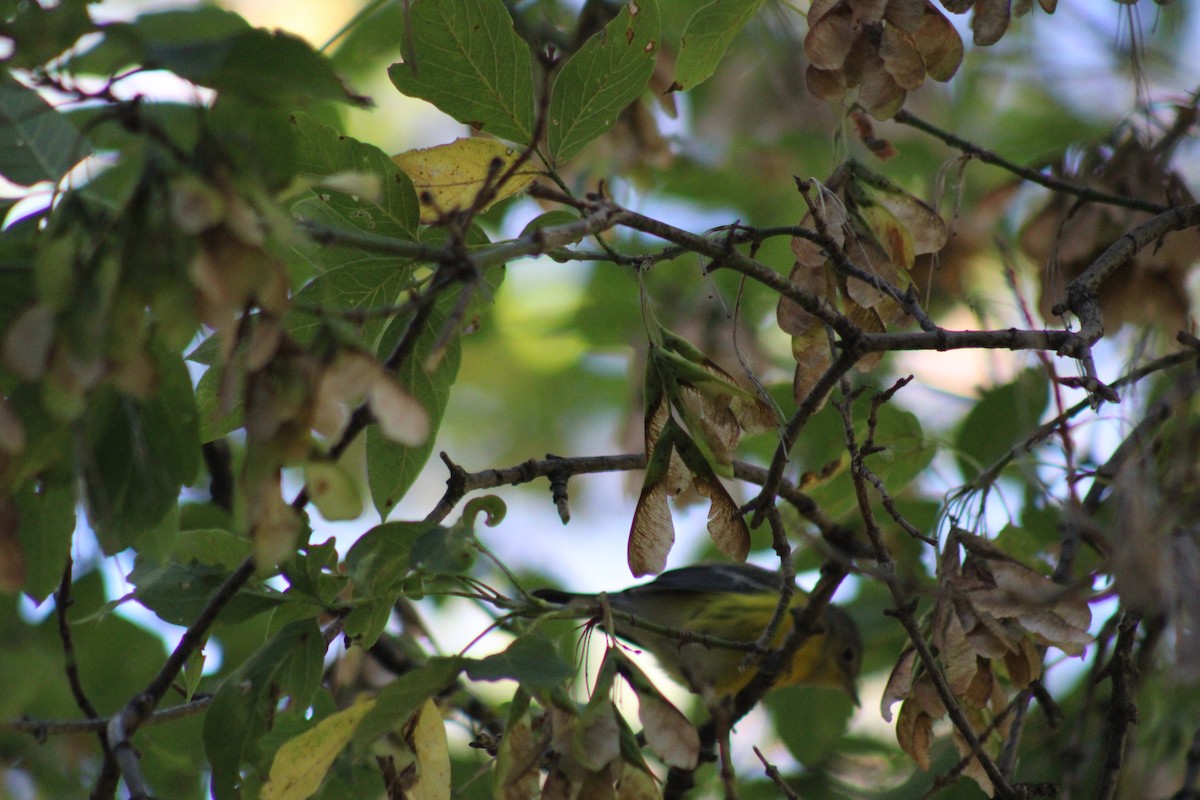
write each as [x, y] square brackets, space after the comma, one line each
[890, 295]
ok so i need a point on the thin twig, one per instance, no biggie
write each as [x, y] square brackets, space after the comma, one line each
[1056, 184]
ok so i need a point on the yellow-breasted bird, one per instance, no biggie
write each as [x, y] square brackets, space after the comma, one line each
[733, 602]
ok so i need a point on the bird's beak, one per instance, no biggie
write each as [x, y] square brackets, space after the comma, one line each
[852, 690]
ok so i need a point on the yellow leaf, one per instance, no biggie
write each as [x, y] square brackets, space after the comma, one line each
[449, 177]
[301, 764]
[427, 740]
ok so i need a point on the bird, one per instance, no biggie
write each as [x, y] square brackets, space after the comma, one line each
[731, 602]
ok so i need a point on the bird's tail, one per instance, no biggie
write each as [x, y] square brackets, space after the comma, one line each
[556, 596]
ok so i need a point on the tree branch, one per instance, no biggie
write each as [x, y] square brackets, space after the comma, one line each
[1033, 176]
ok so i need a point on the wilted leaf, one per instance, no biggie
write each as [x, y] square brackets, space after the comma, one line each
[450, 177]
[990, 21]
[636, 783]
[878, 91]
[914, 733]
[830, 36]
[905, 14]
[809, 273]
[939, 43]
[813, 358]
[923, 225]
[955, 653]
[1024, 665]
[668, 732]
[900, 682]
[516, 774]
[652, 533]
[597, 739]
[902, 58]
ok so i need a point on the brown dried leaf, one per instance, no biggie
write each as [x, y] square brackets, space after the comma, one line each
[713, 421]
[865, 252]
[637, 784]
[926, 697]
[826, 84]
[878, 91]
[902, 58]
[868, 10]
[669, 734]
[956, 654]
[979, 692]
[990, 21]
[973, 768]
[924, 228]
[792, 317]
[830, 38]
[1049, 628]
[819, 9]
[905, 14]
[914, 733]
[900, 682]
[1024, 665]
[725, 525]
[813, 358]
[869, 320]
[991, 637]
[940, 45]
[653, 533]
[957, 6]
[597, 739]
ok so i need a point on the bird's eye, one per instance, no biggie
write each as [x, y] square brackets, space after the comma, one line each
[848, 655]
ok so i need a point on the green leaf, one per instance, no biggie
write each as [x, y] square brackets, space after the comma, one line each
[323, 151]
[402, 697]
[531, 660]
[241, 711]
[906, 454]
[392, 467]
[445, 550]
[465, 58]
[219, 49]
[812, 737]
[706, 38]
[1003, 417]
[37, 143]
[212, 547]
[138, 455]
[605, 75]
[47, 522]
[177, 592]
[380, 560]
[39, 32]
